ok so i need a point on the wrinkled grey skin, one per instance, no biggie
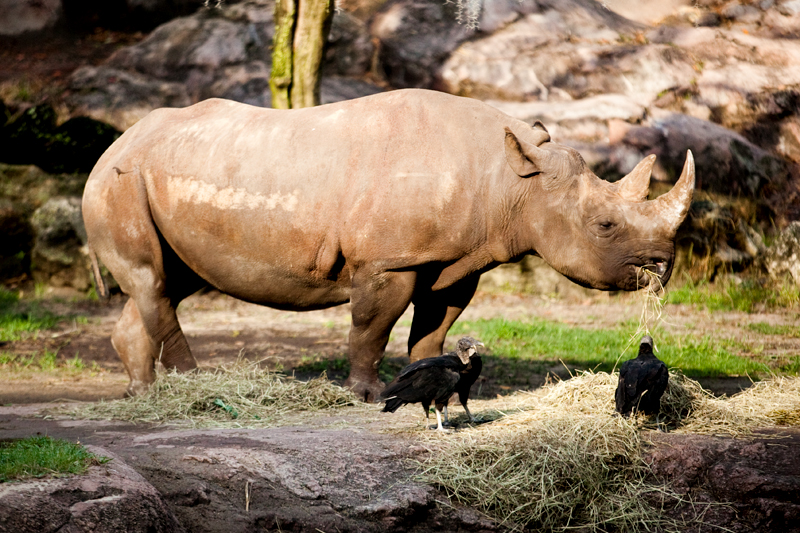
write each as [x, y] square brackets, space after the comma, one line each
[398, 198]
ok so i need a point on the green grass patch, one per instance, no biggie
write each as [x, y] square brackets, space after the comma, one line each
[43, 456]
[18, 320]
[46, 361]
[770, 329]
[729, 295]
[791, 367]
[551, 342]
[339, 368]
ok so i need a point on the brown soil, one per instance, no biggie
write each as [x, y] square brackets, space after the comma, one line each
[221, 330]
[35, 68]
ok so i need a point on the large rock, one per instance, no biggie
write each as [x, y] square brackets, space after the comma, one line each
[560, 51]
[415, 38]
[742, 75]
[121, 98]
[23, 189]
[196, 49]
[783, 257]
[112, 498]
[59, 251]
[349, 50]
[727, 162]
[363, 478]
[223, 480]
[738, 77]
[584, 120]
[18, 17]
[717, 236]
[222, 53]
[757, 480]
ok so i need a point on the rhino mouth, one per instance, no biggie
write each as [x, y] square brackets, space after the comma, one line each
[652, 275]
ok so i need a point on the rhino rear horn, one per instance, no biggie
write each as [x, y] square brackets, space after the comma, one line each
[526, 158]
[636, 184]
[674, 205]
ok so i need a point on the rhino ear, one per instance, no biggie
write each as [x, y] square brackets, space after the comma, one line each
[540, 129]
[636, 185]
[525, 158]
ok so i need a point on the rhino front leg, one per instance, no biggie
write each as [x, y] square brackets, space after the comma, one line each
[434, 313]
[377, 301]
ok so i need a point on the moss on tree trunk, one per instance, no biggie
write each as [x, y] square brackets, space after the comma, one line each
[280, 80]
[301, 31]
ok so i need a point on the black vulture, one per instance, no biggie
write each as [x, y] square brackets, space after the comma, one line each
[642, 381]
[433, 380]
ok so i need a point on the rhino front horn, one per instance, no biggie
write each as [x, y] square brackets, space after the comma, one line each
[674, 205]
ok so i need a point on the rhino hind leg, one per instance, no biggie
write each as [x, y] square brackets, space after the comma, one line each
[148, 330]
[377, 299]
[133, 346]
[434, 313]
[139, 349]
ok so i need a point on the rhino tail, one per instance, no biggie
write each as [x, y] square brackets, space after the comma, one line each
[99, 282]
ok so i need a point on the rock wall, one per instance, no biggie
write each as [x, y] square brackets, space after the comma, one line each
[719, 78]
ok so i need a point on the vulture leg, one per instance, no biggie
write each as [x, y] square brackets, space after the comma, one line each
[469, 415]
[439, 421]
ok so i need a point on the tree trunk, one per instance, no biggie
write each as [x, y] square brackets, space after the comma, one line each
[280, 80]
[301, 31]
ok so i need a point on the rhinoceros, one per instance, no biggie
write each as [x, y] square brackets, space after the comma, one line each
[400, 198]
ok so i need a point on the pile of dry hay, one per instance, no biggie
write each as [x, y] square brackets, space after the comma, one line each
[238, 395]
[560, 459]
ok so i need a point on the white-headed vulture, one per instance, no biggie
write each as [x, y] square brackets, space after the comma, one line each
[435, 379]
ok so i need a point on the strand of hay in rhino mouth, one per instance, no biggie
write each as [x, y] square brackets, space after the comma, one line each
[652, 290]
[652, 300]
[235, 395]
[559, 458]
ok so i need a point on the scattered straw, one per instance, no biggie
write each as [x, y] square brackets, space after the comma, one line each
[238, 395]
[562, 459]
[653, 302]
[685, 407]
[552, 475]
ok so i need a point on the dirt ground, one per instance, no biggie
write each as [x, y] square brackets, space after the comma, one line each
[205, 476]
[221, 329]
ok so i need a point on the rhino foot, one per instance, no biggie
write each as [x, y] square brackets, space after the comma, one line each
[367, 391]
[136, 388]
